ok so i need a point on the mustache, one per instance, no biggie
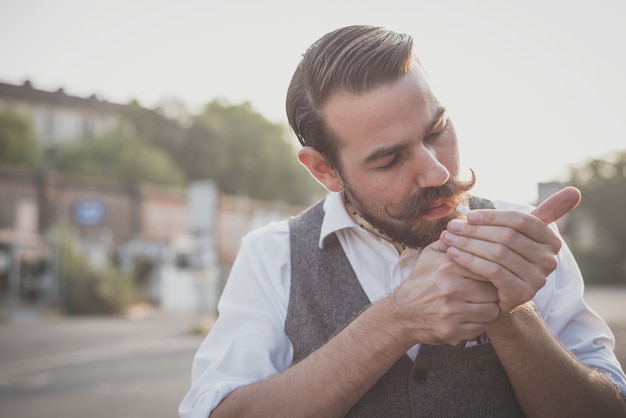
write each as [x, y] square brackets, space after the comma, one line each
[454, 190]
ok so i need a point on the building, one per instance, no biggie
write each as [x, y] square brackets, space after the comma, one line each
[190, 239]
[114, 220]
[59, 118]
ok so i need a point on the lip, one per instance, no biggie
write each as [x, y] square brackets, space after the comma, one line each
[439, 210]
[440, 202]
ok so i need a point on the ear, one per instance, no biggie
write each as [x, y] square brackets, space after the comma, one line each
[315, 162]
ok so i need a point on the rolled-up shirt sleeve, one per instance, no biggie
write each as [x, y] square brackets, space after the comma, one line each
[581, 330]
[562, 306]
[247, 343]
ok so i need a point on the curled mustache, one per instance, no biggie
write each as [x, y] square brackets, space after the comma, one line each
[453, 190]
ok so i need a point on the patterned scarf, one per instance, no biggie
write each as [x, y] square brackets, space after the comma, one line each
[363, 223]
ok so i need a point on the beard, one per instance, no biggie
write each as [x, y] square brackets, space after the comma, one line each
[408, 226]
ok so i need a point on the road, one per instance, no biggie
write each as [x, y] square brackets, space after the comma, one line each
[122, 368]
[96, 367]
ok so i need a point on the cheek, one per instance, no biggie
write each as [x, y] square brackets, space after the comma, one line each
[379, 190]
[394, 189]
[450, 153]
[450, 160]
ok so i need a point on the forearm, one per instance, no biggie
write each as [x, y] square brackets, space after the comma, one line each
[547, 379]
[332, 379]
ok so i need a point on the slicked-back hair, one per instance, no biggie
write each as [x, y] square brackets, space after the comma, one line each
[354, 60]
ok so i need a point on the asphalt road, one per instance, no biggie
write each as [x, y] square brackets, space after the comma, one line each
[122, 368]
[96, 367]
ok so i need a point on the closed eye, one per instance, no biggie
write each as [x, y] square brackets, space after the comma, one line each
[440, 126]
[434, 135]
[390, 164]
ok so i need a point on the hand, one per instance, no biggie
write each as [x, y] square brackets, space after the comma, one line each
[439, 304]
[514, 251]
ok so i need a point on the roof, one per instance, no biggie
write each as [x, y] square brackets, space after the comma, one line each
[27, 93]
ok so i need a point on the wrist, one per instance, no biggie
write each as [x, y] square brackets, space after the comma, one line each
[395, 322]
[513, 322]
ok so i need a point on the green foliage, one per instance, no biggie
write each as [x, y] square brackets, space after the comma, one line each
[18, 145]
[120, 156]
[86, 290]
[231, 144]
[156, 128]
[246, 154]
[603, 187]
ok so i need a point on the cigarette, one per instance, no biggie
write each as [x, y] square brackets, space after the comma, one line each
[463, 209]
[459, 208]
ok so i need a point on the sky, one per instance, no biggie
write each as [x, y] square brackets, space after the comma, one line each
[533, 87]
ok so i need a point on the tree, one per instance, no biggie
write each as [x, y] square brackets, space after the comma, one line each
[156, 127]
[18, 145]
[246, 154]
[86, 290]
[602, 255]
[120, 156]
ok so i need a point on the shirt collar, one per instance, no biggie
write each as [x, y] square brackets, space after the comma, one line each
[335, 216]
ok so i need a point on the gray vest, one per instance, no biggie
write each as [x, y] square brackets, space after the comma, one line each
[444, 381]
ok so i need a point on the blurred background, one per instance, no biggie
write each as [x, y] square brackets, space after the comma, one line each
[140, 141]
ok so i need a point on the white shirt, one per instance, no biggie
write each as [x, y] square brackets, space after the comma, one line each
[248, 342]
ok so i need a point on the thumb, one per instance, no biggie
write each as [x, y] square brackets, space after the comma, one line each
[558, 205]
[437, 246]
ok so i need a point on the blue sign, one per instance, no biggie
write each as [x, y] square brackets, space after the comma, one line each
[88, 212]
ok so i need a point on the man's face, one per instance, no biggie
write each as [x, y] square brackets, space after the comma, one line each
[398, 158]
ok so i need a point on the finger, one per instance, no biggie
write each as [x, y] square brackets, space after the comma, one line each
[502, 266]
[479, 291]
[478, 313]
[558, 205]
[502, 230]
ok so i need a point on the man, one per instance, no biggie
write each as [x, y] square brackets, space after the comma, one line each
[384, 301]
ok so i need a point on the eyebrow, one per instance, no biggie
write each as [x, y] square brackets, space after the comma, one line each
[385, 151]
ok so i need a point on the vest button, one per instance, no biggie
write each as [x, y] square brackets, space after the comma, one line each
[420, 375]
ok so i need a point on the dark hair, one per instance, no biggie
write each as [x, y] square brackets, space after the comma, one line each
[353, 59]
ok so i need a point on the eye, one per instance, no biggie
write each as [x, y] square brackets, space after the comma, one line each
[390, 164]
[435, 135]
[439, 127]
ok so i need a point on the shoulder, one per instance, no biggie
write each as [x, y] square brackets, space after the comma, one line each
[275, 236]
[272, 232]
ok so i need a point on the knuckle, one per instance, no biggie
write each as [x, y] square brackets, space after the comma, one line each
[462, 242]
[550, 263]
[493, 270]
[447, 333]
[446, 312]
[445, 289]
[539, 283]
[527, 294]
[500, 251]
[520, 223]
[494, 311]
[447, 269]
[509, 236]
[553, 263]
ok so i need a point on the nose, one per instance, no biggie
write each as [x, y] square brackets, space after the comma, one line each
[430, 172]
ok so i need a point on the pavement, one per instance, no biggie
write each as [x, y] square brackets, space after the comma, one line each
[96, 367]
[134, 367]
